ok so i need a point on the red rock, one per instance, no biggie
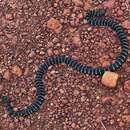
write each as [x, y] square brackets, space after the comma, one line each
[16, 70]
[126, 118]
[1, 87]
[77, 2]
[109, 4]
[87, 4]
[127, 86]
[80, 16]
[109, 79]
[110, 99]
[76, 92]
[54, 24]
[126, 24]
[7, 75]
[76, 41]
[119, 12]
[9, 16]
[105, 63]
[104, 60]
[49, 52]
[66, 12]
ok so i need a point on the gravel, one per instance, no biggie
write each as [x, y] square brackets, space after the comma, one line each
[30, 31]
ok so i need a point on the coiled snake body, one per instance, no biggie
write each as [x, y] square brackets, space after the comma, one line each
[93, 18]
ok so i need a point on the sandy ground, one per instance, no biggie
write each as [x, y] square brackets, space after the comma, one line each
[32, 30]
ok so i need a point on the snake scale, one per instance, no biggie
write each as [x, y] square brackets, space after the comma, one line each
[94, 18]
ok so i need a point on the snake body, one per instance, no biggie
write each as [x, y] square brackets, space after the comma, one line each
[94, 18]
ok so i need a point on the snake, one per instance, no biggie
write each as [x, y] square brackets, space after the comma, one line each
[94, 18]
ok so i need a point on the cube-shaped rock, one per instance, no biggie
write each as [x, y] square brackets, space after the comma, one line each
[109, 79]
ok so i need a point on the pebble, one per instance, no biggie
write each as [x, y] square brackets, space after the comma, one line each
[66, 12]
[9, 16]
[119, 12]
[109, 79]
[76, 92]
[1, 87]
[121, 124]
[127, 86]
[54, 24]
[76, 40]
[77, 2]
[105, 63]
[41, 53]
[61, 91]
[126, 118]
[32, 54]
[87, 4]
[127, 69]
[109, 4]
[73, 125]
[28, 122]
[83, 98]
[16, 70]
[49, 52]
[126, 24]
[7, 75]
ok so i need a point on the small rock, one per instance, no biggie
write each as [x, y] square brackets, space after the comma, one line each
[61, 91]
[16, 70]
[109, 79]
[105, 63]
[76, 92]
[66, 12]
[77, 2]
[121, 124]
[126, 118]
[7, 75]
[83, 98]
[82, 88]
[126, 24]
[87, 4]
[127, 86]
[119, 12]
[89, 29]
[49, 52]
[27, 122]
[80, 16]
[1, 87]
[104, 60]
[107, 99]
[109, 4]
[11, 125]
[41, 53]
[9, 16]
[54, 24]
[127, 69]
[73, 125]
[32, 54]
[76, 41]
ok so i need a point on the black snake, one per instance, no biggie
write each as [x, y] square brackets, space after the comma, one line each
[94, 18]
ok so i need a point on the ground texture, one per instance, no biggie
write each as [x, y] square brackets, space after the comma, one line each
[32, 30]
